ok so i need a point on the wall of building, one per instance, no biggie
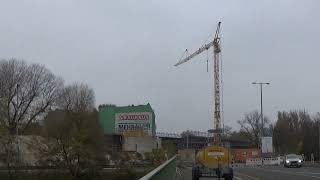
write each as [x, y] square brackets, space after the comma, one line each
[106, 118]
[188, 155]
[193, 142]
[141, 144]
[199, 142]
[114, 142]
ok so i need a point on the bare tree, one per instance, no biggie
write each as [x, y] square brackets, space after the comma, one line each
[26, 93]
[77, 98]
[251, 127]
[74, 132]
[293, 132]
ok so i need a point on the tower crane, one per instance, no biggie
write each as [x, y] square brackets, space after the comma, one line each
[216, 44]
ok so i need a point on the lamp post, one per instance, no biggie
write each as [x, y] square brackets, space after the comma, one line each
[261, 105]
[319, 141]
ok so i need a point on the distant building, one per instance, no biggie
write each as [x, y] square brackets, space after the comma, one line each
[128, 120]
[129, 128]
[198, 140]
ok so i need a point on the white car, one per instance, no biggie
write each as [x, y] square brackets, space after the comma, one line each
[292, 160]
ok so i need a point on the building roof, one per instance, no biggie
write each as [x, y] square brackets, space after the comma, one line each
[130, 108]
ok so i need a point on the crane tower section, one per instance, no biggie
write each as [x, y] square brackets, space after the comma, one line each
[216, 43]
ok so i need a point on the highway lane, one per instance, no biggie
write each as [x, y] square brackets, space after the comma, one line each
[277, 173]
[267, 173]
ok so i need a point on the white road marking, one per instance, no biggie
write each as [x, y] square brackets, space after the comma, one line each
[248, 176]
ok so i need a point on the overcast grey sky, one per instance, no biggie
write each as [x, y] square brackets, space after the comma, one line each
[125, 50]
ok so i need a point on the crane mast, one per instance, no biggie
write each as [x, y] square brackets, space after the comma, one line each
[216, 70]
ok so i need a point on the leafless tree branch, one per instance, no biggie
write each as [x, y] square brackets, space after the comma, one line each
[27, 91]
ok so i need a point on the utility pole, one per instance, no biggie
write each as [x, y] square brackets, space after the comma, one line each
[261, 105]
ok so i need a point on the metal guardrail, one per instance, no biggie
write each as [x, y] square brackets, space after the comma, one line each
[167, 171]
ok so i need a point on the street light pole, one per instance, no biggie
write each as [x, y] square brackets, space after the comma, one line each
[261, 105]
[261, 110]
[319, 141]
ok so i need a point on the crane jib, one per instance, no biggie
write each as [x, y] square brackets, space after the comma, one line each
[200, 50]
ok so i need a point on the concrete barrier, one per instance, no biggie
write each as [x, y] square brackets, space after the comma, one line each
[271, 161]
[167, 171]
[254, 162]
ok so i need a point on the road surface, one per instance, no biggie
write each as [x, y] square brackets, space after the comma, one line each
[267, 173]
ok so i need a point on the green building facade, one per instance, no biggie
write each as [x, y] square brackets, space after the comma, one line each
[121, 119]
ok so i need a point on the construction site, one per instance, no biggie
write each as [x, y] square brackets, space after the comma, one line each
[153, 90]
[133, 130]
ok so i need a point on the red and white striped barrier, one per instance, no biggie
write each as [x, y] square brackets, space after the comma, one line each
[263, 161]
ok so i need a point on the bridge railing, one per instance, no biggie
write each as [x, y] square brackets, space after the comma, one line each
[167, 171]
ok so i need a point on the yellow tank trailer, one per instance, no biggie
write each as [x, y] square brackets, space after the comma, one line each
[213, 161]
